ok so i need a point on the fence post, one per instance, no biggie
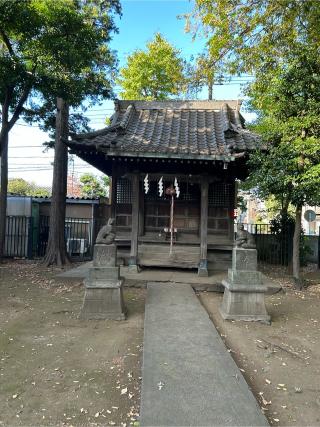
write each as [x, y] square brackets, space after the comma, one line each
[319, 248]
[30, 238]
[93, 235]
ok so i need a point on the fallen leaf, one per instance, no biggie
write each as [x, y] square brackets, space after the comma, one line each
[160, 385]
[266, 402]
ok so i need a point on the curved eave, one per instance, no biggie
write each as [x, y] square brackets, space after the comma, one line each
[179, 156]
[107, 154]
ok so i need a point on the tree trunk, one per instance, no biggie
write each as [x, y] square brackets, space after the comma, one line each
[3, 185]
[56, 249]
[296, 249]
[210, 90]
[6, 126]
[285, 207]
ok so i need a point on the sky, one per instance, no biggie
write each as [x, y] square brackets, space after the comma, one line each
[140, 20]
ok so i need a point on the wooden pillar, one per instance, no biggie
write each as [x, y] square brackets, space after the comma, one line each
[233, 205]
[114, 190]
[141, 213]
[203, 265]
[135, 197]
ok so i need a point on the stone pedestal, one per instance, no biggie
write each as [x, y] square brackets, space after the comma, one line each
[133, 267]
[103, 297]
[243, 297]
[203, 268]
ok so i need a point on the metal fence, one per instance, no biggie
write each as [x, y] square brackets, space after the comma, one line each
[25, 239]
[80, 235]
[18, 239]
[272, 247]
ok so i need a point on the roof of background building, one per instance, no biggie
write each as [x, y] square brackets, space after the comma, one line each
[178, 129]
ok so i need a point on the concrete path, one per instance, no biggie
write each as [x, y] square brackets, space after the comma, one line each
[79, 272]
[188, 377]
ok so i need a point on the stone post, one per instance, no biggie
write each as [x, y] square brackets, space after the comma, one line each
[243, 297]
[103, 297]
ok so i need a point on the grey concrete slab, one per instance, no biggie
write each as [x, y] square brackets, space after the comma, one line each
[211, 283]
[80, 272]
[140, 279]
[188, 376]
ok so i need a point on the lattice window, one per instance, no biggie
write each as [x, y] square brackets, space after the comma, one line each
[124, 191]
[189, 191]
[221, 194]
[186, 216]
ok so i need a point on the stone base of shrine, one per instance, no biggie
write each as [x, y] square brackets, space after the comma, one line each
[244, 302]
[203, 268]
[103, 303]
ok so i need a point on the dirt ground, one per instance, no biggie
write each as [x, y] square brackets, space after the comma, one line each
[280, 362]
[56, 369]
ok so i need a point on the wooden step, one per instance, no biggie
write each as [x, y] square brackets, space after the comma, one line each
[159, 255]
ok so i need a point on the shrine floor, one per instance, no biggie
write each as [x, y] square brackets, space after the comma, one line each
[188, 376]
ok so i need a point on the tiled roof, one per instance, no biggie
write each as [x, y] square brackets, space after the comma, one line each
[206, 129]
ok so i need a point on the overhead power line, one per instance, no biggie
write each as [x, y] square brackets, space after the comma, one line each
[47, 167]
[26, 146]
[31, 157]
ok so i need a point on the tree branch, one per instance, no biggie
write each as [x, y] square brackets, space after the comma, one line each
[6, 104]
[6, 40]
[19, 106]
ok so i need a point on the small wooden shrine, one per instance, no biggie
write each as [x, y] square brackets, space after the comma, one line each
[174, 166]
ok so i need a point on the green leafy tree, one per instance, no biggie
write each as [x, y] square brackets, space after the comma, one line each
[277, 41]
[204, 74]
[49, 50]
[156, 73]
[255, 34]
[93, 186]
[21, 187]
[288, 102]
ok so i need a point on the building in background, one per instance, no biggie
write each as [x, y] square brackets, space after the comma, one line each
[27, 228]
[73, 186]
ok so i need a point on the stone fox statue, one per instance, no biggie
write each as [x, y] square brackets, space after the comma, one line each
[244, 239]
[107, 233]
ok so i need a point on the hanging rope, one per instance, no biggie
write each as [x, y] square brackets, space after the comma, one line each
[170, 191]
[171, 223]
